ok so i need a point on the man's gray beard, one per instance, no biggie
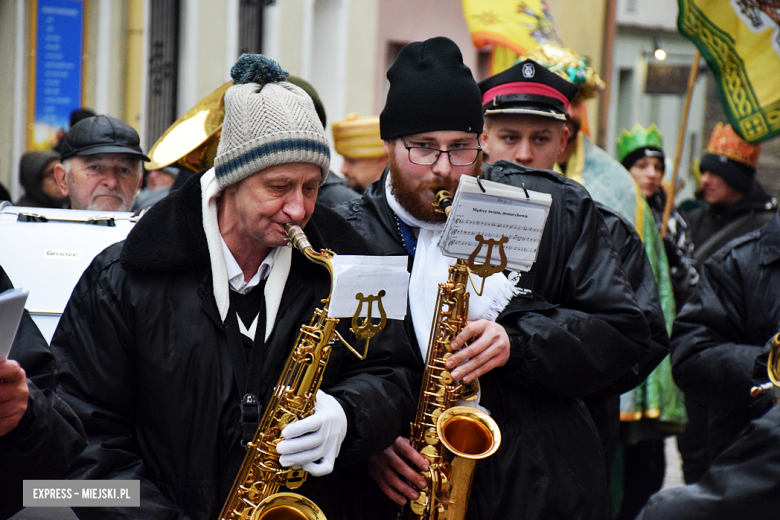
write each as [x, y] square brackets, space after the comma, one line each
[123, 207]
[93, 205]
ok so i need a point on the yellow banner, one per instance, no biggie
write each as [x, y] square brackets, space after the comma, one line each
[741, 42]
[512, 27]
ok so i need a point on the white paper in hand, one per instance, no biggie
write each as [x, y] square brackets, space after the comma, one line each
[369, 275]
[11, 307]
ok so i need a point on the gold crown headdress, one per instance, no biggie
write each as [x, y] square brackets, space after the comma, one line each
[358, 137]
[726, 142]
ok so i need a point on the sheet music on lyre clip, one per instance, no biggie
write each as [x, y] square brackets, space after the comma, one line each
[369, 275]
[500, 211]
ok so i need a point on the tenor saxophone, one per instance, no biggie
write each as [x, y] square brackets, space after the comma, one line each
[451, 438]
[255, 493]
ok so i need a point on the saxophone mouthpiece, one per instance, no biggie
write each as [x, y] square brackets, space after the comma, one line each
[443, 202]
[296, 236]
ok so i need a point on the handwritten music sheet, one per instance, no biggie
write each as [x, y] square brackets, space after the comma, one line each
[500, 211]
[368, 275]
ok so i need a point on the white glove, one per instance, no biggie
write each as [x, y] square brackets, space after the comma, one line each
[314, 442]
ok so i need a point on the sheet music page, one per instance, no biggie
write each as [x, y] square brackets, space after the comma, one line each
[500, 211]
[368, 275]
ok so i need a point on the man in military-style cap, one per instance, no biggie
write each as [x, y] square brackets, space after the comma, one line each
[526, 110]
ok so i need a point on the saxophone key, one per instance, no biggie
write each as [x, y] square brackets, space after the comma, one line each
[430, 453]
[431, 437]
[253, 493]
[419, 505]
[245, 514]
[295, 478]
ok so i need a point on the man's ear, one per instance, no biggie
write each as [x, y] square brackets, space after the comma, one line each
[564, 139]
[59, 176]
[485, 143]
[389, 147]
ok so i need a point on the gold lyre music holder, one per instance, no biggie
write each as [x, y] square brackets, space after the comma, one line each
[366, 329]
[484, 269]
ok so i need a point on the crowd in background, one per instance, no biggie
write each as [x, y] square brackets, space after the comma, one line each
[698, 279]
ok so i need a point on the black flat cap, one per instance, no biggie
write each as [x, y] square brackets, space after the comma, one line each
[101, 134]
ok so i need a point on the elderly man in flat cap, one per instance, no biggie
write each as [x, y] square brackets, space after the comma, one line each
[100, 164]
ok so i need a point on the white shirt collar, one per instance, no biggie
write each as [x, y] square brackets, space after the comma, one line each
[236, 275]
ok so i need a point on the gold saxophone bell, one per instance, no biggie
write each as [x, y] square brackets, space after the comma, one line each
[469, 435]
[468, 432]
[772, 369]
[287, 506]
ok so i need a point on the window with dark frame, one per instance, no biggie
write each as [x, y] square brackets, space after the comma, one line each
[162, 84]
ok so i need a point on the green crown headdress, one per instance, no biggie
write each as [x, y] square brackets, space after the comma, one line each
[639, 138]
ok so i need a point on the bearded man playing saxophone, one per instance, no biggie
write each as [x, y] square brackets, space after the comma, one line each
[579, 328]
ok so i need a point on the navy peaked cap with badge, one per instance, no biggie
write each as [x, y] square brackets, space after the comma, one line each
[430, 89]
[101, 134]
[528, 88]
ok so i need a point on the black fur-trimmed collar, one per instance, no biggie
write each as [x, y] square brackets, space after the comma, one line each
[170, 236]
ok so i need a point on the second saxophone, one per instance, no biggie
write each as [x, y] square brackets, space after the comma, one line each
[255, 493]
[450, 437]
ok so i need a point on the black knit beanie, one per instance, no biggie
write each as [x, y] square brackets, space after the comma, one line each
[430, 90]
[645, 151]
[738, 175]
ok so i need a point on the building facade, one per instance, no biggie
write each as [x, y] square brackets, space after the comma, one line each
[149, 61]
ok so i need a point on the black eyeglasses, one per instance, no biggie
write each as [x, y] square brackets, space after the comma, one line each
[425, 156]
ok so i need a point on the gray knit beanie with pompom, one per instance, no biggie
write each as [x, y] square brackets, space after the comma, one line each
[268, 121]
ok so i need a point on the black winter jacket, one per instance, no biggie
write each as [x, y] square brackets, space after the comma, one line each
[678, 246]
[604, 405]
[723, 328]
[750, 212]
[334, 191]
[49, 435]
[146, 365]
[743, 482]
[580, 331]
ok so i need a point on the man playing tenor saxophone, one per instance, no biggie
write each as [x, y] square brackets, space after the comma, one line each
[174, 340]
[575, 328]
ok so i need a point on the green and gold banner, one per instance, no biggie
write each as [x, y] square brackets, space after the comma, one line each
[740, 39]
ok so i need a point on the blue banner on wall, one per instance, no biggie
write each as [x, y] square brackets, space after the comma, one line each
[59, 46]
